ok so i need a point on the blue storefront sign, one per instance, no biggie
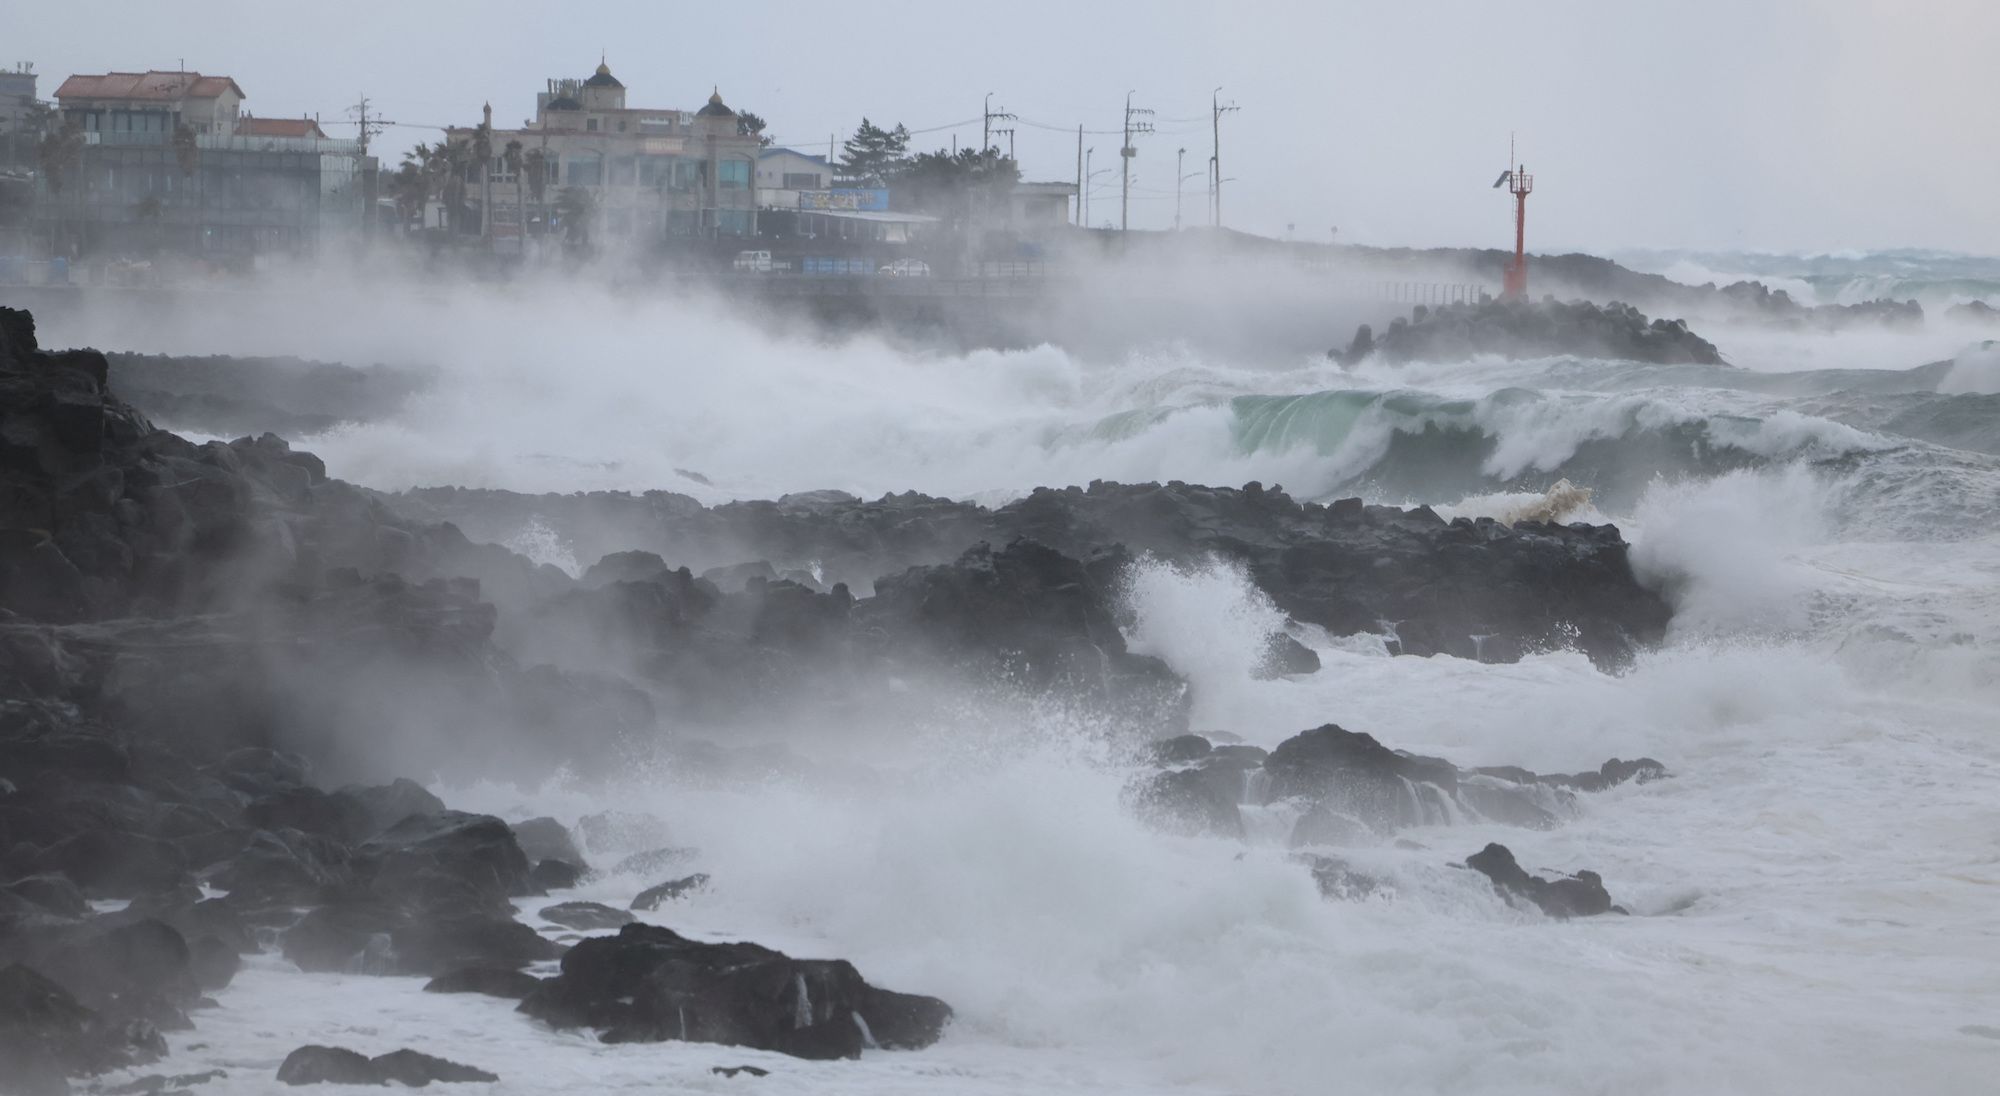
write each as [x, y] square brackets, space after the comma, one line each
[850, 200]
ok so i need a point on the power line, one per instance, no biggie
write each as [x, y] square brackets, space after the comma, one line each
[1125, 154]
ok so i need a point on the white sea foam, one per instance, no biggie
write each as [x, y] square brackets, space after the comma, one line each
[1812, 891]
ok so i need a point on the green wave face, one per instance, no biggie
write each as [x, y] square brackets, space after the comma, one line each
[1323, 420]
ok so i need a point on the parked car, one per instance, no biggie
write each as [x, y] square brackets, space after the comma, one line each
[906, 268]
[755, 261]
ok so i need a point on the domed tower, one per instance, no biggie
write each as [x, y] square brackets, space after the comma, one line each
[716, 118]
[603, 91]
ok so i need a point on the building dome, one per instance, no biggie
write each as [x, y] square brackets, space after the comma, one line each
[603, 78]
[715, 109]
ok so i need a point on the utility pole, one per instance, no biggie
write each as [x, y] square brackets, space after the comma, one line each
[1126, 153]
[987, 131]
[1079, 174]
[1216, 110]
[369, 130]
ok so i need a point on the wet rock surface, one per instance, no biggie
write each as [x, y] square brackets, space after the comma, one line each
[649, 984]
[1476, 589]
[1345, 787]
[1530, 329]
[1579, 895]
[323, 1065]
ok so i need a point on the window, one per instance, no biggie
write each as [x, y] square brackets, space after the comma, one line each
[734, 174]
[621, 125]
[733, 222]
[623, 171]
[656, 171]
[584, 171]
[801, 180]
[591, 125]
[688, 174]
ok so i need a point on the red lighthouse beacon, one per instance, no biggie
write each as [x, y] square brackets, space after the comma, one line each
[1514, 285]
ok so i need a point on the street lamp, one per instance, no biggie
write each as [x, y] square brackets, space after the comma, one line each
[1088, 179]
[1180, 186]
[1180, 161]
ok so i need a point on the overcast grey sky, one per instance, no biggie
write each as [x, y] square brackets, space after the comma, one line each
[1758, 124]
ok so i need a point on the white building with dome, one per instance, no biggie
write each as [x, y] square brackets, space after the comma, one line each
[653, 172]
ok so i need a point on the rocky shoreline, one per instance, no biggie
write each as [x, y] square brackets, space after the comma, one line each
[221, 666]
[1530, 329]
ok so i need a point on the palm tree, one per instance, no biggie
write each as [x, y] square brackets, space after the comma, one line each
[537, 163]
[454, 163]
[57, 155]
[419, 178]
[578, 207]
[411, 190]
[511, 159]
[482, 154]
[187, 152]
[185, 148]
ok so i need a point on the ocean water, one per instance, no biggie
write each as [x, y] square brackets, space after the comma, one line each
[1813, 894]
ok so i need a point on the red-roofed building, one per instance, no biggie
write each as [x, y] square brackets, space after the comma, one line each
[248, 126]
[150, 102]
[170, 163]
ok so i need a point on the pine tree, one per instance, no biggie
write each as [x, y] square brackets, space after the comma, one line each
[874, 155]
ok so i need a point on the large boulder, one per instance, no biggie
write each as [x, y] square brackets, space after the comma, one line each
[1579, 895]
[649, 984]
[1030, 614]
[489, 981]
[478, 852]
[46, 1033]
[427, 895]
[1348, 788]
[321, 1065]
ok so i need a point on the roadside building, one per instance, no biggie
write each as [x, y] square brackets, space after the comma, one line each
[167, 162]
[18, 107]
[1035, 209]
[785, 173]
[649, 172]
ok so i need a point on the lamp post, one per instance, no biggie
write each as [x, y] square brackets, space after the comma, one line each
[1179, 187]
[1180, 161]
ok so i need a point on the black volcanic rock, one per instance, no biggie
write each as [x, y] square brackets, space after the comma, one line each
[1579, 895]
[1351, 788]
[1426, 585]
[228, 396]
[649, 984]
[428, 895]
[1026, 613]
[1533, 329]
[491, 981]
[319, 1065]
[1285, 656]
[408, 1067]
[586, 916]
[323, 1065]
[45, 1034]
[545, 839]
[555, 875]
[653, 897]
